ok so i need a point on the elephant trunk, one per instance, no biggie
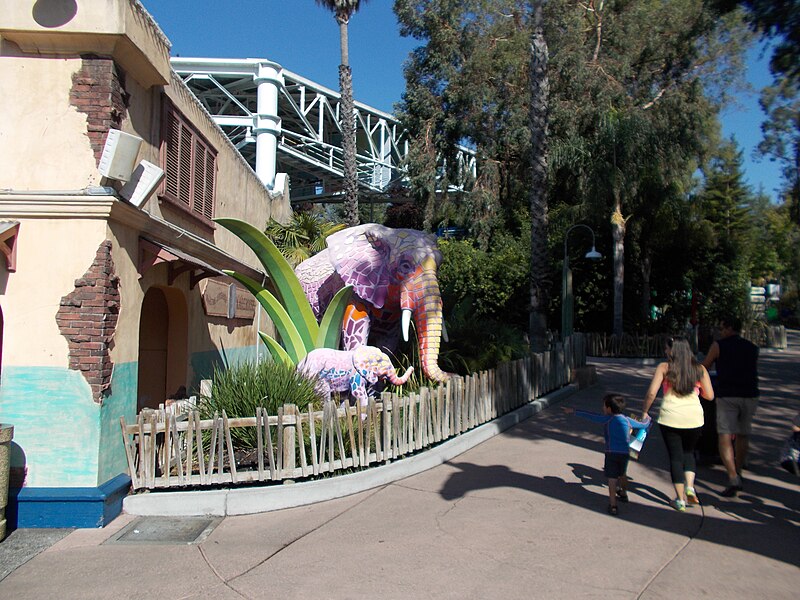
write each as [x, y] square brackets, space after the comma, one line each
[391, 375]
[423, 301]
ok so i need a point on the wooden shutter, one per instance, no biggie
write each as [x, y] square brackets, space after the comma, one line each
[185, 176]
[190, 165]
[172, 156]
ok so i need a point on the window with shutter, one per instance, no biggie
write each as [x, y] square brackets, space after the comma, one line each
[189, 163]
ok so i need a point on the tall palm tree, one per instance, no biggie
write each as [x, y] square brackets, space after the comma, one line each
[539, 88]
[342, 10]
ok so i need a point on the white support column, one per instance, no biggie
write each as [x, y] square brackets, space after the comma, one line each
[267, 126]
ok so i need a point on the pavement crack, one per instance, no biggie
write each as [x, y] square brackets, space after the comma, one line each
[677, 553]
[415, 489]
[306, 534]
[219, 576]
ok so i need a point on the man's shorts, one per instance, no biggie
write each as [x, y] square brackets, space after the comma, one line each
[616, 465]
[735, 415]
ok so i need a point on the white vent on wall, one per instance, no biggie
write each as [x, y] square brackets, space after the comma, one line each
[143, 182]
[119, 155]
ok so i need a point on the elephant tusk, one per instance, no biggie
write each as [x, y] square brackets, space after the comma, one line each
[444, 332]
[406, 322]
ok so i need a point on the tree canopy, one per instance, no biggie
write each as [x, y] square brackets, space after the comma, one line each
[635, 90]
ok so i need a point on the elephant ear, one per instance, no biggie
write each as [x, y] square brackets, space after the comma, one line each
[364, 361]
[361, 257]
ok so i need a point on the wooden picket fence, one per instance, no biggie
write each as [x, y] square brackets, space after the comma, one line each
[167, 449]
[652, 346]
[626, 345]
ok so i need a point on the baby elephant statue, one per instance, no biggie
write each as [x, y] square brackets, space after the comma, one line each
[350, 370]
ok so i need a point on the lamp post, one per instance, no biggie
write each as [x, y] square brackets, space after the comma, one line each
[566, 282]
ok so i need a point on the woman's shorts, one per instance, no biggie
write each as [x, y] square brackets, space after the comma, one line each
[616, 465]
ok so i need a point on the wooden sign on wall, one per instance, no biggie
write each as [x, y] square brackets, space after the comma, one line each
[216, 295]
[245, 304]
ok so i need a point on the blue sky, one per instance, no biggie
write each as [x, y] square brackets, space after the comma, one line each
[304, 38]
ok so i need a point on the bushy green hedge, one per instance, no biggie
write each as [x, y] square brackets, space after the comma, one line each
[240, 389]
[497, 280]
[486, 296]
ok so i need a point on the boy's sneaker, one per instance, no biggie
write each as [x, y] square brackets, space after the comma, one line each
[612, 510]
[678, 505]
[622, 496]
[691, 497]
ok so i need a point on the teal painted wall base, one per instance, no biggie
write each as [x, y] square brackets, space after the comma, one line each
[80, 507]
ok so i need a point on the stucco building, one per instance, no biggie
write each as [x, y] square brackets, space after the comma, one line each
[111, 299]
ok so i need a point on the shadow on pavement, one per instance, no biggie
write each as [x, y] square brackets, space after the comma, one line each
[764, 519]
[757, 527]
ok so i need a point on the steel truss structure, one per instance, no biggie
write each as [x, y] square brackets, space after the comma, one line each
[306, 127]
[282, 122]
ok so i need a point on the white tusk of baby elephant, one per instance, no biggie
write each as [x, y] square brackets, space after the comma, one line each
[406, 322]
[444, 332]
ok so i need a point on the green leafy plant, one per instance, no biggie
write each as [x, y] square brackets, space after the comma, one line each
[302, 237]
[240, 389]
[290, 310]
[479, 342]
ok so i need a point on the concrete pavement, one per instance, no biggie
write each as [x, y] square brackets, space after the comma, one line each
[522, 515]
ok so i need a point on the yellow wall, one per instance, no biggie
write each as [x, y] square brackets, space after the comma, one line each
[43, 144]
[51, 254]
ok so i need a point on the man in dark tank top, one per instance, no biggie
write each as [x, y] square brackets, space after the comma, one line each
[736, 390]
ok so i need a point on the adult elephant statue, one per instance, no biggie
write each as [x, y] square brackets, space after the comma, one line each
[393, 274]
[350, 370]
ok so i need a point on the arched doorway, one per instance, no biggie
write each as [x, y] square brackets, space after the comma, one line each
[163, 332]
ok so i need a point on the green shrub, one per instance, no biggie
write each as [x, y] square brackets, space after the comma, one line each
[479, 343]
[496, 282]
[240, 389]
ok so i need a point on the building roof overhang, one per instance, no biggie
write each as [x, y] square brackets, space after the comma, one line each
[152, 253]
[8, 243]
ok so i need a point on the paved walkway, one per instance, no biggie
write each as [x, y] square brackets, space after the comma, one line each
[522, 515]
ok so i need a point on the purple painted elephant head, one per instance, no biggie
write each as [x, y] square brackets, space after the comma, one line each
[393, 274]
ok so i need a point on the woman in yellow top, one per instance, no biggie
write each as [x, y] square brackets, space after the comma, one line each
[682, 380]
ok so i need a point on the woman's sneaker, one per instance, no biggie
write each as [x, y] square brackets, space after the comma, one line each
[678, 505]
[691, 497]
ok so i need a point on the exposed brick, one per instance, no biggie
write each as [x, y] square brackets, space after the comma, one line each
[98, 90]
[87, 318]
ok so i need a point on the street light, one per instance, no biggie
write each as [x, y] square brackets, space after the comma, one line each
[566, 282]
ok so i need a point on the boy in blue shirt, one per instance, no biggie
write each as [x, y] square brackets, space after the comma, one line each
[617, 433]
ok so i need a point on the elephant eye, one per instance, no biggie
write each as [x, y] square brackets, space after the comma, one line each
[405, 266]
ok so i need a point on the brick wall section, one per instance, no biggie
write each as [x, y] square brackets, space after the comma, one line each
[87, 318]
[98, 90]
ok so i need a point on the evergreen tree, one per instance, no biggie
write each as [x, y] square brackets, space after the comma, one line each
[781, 142]
[636, 109]
[634, 87]
[722, 274]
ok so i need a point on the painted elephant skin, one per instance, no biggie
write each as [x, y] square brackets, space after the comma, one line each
[350, 370]
[393, 274]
